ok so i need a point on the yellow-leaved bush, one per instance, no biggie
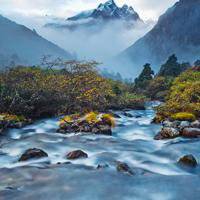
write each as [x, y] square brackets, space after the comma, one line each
[109, 118]
[183, 100]
[37, 92]
[73, 87]
[11, 118]
[91, 118]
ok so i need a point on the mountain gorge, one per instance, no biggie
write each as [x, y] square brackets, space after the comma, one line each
[23, 46]
[177, 31]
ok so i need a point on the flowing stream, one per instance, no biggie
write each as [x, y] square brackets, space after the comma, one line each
[157, 176]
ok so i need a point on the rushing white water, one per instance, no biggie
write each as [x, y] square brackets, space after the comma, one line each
[157, 176]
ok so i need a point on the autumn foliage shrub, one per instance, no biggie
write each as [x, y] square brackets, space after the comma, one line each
[11, 118]
[108, 118]
[184, 96]
[69, 87]
[36, 92]
[90, 118]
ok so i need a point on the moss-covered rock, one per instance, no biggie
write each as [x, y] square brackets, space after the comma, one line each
[90, 123]
[12, 121]
[183, 116]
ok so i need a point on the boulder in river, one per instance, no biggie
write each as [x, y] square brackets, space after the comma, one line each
[191, 132]
[188, 160]
[102, 129]
[195, 124]
[123, 167]
[174, 124]
[76, 155]
[12, 121]
[90, 123]
[33, 154]
[167, 123]
[184, 124]
[167, 133]
[102, 166]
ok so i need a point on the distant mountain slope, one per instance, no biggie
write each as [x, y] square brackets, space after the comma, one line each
[177, 31]
[104, 13]
[24, 45]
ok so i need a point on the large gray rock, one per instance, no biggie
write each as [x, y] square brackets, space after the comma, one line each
[195, 124]
[191, 132]
[174, 124]
[167, 123]
[184, 124]
[167, 133]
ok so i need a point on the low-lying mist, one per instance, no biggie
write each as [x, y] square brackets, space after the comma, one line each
[98, 42]
[102, 44]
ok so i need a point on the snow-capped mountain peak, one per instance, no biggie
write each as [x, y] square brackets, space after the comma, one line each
[108, 10]
[108, 6]
[99, 17]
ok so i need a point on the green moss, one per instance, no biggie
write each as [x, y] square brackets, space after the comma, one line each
[183, 116]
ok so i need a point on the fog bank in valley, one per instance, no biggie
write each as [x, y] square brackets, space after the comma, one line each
[99, 43]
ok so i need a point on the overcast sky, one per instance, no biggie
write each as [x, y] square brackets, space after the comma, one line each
[147, 9]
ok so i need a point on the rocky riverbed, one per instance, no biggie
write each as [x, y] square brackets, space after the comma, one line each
[128, 165]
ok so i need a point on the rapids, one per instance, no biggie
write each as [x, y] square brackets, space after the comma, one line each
[157, 176]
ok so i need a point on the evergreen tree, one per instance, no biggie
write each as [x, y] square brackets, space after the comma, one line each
[144, 78]
[172, 67]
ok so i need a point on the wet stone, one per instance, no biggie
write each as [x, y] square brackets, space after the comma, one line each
[191, 132]
[33, 154]
[123, 167]
[167, 133]
[184, 124]
[188, 160]
[76, 155]
[195, 124]
[102, 166]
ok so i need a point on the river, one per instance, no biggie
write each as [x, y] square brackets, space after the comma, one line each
[157, 176]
